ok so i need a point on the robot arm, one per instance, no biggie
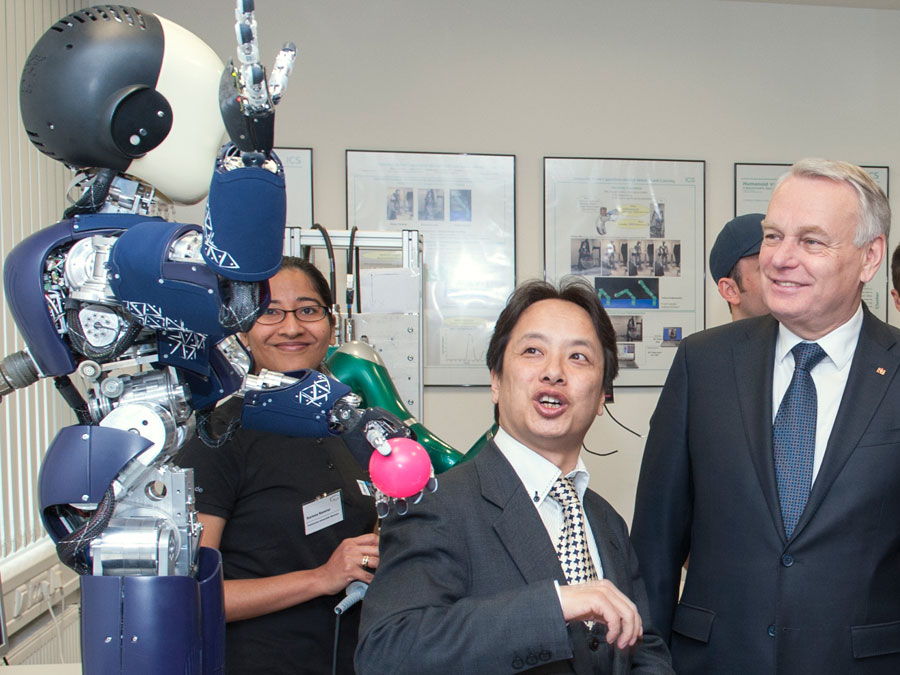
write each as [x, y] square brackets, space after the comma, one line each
[311, 404]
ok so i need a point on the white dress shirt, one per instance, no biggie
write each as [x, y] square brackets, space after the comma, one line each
[538, 475]
[829, 375]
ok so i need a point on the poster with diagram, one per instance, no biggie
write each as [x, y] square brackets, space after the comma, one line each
[753, 186]
[633, 229]
[464, 206]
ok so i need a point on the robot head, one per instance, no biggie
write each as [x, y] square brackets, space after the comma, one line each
[115, 87]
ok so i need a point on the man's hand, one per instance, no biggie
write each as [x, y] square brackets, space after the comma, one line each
[601, 601]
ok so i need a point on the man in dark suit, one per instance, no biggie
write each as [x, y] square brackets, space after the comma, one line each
[781, 477]
[472, 579]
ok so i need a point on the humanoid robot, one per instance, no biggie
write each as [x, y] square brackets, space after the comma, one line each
[146, 311]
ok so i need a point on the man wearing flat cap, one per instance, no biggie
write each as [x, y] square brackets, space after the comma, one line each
[734, 265]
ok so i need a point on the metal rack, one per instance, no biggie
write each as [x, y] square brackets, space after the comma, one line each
[396, 336]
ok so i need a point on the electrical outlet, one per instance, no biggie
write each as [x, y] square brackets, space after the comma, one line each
[35, 594]
[21, 601]
[56, 580]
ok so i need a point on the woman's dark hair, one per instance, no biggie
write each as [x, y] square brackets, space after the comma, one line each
[571, 289]
[320, 285]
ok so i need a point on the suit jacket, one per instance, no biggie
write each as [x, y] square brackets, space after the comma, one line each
[465, 585]
[828, 600]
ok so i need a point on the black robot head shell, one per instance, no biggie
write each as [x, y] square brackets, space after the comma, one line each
[87, 92]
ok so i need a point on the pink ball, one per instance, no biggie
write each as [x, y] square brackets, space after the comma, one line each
[404, 472]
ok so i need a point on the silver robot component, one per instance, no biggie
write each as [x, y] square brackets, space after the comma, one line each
[135, 547]
[155, 530]
[155, 527]
[125, 195]
[100, 324]
[161, 388]
[85, 270]
[187, 248]
[281, 71]
[237, 355]
[257, 95]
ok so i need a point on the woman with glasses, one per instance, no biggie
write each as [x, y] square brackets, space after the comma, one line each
[289, 515]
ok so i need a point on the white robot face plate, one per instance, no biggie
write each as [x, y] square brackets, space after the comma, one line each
[182, 165]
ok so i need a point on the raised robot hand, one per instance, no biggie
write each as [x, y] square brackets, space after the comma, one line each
[247, 98]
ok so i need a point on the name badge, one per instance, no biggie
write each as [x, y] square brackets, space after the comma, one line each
[323, 512]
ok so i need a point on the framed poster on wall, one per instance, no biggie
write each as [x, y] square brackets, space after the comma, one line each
[753, 186]
[464, 206]
[633, 228]
[298, 182]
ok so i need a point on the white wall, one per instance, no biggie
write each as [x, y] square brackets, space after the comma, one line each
[32, 195]
[714, 80]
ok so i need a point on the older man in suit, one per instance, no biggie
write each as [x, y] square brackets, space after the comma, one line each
[774, 456]
[496, 572]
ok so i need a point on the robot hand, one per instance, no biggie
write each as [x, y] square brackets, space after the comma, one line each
[314, 405]
[400, 467]
[246, 98]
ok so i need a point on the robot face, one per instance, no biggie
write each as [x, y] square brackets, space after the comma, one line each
[189, 79]
[112, 86]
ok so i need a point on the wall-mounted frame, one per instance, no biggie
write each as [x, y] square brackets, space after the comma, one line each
[634, 229]
[753, 186]
[298, 180]
[464, 206]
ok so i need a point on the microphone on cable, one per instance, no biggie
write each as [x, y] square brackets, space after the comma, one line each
[355, 592]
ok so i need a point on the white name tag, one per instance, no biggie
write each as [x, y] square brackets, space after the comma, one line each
[323, 512]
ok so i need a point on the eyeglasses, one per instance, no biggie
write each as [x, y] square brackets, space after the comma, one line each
[306, 313]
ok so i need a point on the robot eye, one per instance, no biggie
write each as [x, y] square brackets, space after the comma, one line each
[141, 121]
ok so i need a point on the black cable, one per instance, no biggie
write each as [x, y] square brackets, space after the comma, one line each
[351, 290]
[631, 431]
[73, 398]
[70, 547]
[598, 454]
[607, 454]
[356, 281]
[97, 192]
[330, 249]
[82, 345]
[337, 635]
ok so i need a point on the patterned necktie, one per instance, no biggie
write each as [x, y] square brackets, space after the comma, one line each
[572, 547]
[794, 436]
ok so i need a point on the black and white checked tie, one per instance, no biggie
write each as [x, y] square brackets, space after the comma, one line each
[571, 547]
[794, 436]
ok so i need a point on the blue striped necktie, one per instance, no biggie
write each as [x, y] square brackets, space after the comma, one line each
[794, 436]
